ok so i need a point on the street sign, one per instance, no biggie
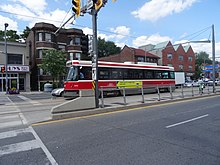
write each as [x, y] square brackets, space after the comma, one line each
[94, 76]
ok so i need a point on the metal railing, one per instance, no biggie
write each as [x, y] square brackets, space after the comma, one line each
[184, 92]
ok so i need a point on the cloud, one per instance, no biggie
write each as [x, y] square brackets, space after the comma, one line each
[153, 39]
[22, 11]
[156, 9]
[35, 6]
[87, 31]
[54, 17]
[121, 32]
[35, 11]
[12, 25]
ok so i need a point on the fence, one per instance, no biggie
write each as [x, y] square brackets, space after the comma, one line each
[182, 92]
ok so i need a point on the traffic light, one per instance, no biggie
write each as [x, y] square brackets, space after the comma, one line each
[76, 7]
[98, 4]
[3, 69]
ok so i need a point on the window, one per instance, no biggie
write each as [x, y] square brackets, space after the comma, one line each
[40, 36]
[148, 74]
[140, 59]
[172, 75]
[15, 58]
[70, 56]
[169, 56]
[181, 67]
[190, 58]
[180, 58]
[170, 65]
[190, 67]
[75, 41]
[61, 47]
[48, 37]
[78, 56]
[39, 53]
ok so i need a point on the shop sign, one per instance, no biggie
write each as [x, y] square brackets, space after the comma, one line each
[18, 68]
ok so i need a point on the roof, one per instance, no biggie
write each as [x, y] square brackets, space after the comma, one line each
[175, 47]
[140, 52]
[186, 48]
[161, 45]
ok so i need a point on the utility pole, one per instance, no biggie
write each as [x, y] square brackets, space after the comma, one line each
[6, 61]
[213, 58]
[95, 56]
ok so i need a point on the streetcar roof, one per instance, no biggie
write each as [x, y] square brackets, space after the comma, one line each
[117, 65]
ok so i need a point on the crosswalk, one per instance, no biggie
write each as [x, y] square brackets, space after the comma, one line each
[17, 138]
[31, 145]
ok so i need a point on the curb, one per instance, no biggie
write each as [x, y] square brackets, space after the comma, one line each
[88, 112]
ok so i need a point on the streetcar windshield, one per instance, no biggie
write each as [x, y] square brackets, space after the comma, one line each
[72, 74]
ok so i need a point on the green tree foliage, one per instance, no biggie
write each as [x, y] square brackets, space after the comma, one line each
[106, 48]
[54, 63]
[11, 35]
[202, 59]
[25, 33]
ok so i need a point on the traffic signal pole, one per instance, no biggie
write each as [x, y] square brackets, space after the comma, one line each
[95, 55]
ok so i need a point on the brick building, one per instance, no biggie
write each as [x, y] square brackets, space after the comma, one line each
[182, 58]
[129, 54]
[72, 41]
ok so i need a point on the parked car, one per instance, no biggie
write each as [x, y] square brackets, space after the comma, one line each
[58, 92]
[210, 82]
[191, 83]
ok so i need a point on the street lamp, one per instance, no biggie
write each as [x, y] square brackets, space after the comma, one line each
[6, 61]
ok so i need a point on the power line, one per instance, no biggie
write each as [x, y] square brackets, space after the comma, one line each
[101, 30]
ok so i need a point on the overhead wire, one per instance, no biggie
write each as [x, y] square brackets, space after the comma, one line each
[193, 35]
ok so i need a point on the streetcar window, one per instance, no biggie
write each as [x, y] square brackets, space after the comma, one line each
[165, 75]
[158, 75]
[172, 75]
[148, 74]
[104, 74]
[87, 72]
[72, 74]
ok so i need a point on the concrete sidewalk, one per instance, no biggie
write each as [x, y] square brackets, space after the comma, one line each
[111, 104]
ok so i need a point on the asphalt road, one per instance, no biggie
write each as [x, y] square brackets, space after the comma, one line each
[169, 134]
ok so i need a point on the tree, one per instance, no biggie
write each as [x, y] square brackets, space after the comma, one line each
[202, 59]
[11, 35]
[54, 63]
[106, 48]
[25, 33]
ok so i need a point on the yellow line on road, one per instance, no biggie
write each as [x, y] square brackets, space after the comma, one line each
[118, 111]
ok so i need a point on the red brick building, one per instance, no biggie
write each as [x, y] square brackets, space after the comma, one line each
[129, 54]
[41, 37]
[182, 58]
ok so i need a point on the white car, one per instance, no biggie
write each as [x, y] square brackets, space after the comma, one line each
[58, 92]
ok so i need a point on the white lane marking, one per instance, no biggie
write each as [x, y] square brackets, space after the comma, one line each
[39, 143]
[187, 121]
[29, 100]
[8, 117]
[10, 124]
[18, 147]
[8, 112]
[44, 148]
[14, 133]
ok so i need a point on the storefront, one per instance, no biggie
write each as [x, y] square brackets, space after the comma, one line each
[18, 78]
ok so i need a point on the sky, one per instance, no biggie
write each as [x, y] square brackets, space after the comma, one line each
[126, 22]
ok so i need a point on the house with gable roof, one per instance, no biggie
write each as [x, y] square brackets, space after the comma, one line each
[134, 55]
[182, 58]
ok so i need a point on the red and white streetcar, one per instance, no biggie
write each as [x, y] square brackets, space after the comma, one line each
[116, 76]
